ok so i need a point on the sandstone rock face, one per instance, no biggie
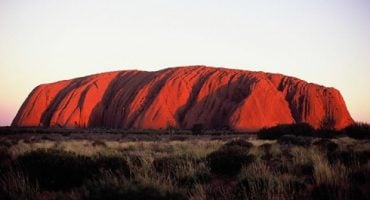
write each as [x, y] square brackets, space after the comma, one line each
[182, 97]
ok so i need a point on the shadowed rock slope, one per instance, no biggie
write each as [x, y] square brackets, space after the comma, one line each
[182, 97]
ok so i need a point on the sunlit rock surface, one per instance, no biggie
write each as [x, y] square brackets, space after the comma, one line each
[182, 97]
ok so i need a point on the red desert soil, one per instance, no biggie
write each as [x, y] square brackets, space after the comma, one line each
[182, 97]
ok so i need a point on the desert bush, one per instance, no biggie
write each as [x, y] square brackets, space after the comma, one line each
[300, 129]
[358, 131]
[192, 180]
[265, 147]
[5, 143]
[228, 160]
[239, 143]
[294, 187]
[221, 189]
[59, 195]
[280, 165]
[260, 181]
[349, 157]
[56, 170]
[5, 160]
[295, 140]
[15, 185]
[360, 177]
[114, 187]
[59, 170]
[130, 192]
[114, 164]
[198, 192]
[99, 143]
[256, 187]
[306, 169]
[266, 150]
[172, 165]
[135, 160]
[354, 192]
[327, 133]
[329, 192]
[259, 167]
[326, 145]
[345, 157]
[193, 168]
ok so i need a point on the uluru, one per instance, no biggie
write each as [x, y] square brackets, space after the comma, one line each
[181, 97]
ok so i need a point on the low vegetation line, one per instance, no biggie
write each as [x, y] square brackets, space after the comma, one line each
[278, 163]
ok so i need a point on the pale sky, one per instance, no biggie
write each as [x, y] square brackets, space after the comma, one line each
[321, 41]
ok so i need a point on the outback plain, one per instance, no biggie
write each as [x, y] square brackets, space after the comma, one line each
[283, 162]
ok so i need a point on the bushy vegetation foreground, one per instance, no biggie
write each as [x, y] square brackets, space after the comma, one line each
[55, 166]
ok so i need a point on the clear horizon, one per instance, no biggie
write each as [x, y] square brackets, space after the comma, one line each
[323, 42]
